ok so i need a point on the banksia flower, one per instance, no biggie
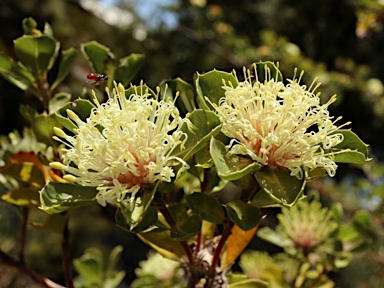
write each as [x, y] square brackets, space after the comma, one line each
[307, 225]
[124, 145]
[280, 125]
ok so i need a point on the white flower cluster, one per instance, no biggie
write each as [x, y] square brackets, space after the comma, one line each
[124, 145]
[280, 125]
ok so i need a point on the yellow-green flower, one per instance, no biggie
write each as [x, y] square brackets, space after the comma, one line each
[307, 225]
[124, 145]
[278, 124]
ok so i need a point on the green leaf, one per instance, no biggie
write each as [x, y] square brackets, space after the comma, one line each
[280, 185]
[230, 167]
[16, 74]
[162, 243]
[92, 272]
[25, 172]
[271, 236]
[29, 26]
[250, 283]
[351, 141]
[90, 266]
[207, 124]
[48, 30]
[81, 107]
[147, 223]
[142, 90]
[38, 53]
[353, 157]
[186, 226]
[244, 215]
[262, 199]
[67, 59]
[128, 68]
[58, 197]
[58, 100]
[186, 101]
[207, 207]
[113, 259]
[98, 56]
[28, 112]
[133, 216]
[42, 125]
[210, 85]
[22, 196]
[270, 68]
[356, 150]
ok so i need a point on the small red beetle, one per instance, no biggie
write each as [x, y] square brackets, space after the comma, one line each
[97, 78]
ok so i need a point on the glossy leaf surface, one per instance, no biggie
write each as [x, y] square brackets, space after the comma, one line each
[128, 67]
[207, 207]
[244, 215]
[230, 167]
[280, 185]
[210, 85]
[58, 197]
[38, 53]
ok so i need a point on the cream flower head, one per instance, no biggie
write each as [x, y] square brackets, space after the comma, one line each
[123, 146]
[280, 125]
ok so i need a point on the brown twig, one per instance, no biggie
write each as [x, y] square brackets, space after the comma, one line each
[20, 266]
[227, 231]
[23, 233]
[67, 264]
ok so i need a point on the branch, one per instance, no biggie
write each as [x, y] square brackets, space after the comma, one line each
[6, 260]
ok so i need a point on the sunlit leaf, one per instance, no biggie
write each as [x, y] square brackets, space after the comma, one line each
[42, 125]
[236, 243]
[81, 107]
[206, 124]
[353, 157]
[250, 283]
[16, 74]
[22, 196]
[244, 215]
[90, 266]
[48, 30]
[58, 101]
[264, 68]
[162, 243]
[113, 258]
[128, 67]
[210, 85]
[38, 53]
[271, 236]
[139, 90]
[58, 197]
[207, 207]
[30, 26]
[186, 100]
[98, 55]
[230, 167]
[25, 172]
[351, 141]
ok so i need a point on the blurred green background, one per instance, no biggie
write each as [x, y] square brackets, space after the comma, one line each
[340, 42]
